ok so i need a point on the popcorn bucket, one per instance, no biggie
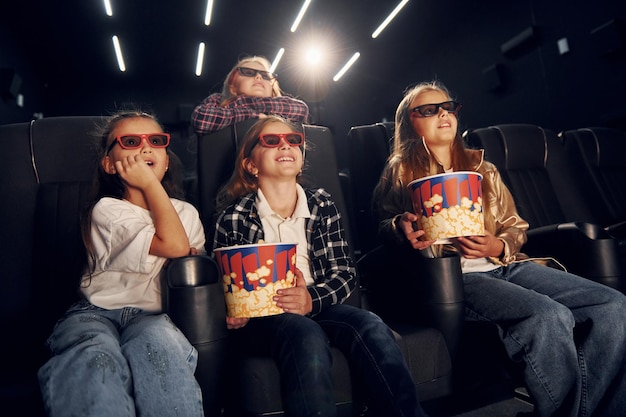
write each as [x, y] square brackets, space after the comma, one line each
[449, 205]
[253, 273]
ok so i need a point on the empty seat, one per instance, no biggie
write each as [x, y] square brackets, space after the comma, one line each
[369, 147]
[541, 178]
[598, 157]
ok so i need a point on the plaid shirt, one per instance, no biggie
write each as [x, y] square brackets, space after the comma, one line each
[331, 266]
[209, 116]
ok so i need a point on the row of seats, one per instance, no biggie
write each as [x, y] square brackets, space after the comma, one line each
[45, 183]
[570, 187]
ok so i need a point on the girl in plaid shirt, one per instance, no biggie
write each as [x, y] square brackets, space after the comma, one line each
[266, 204]
[250, 91]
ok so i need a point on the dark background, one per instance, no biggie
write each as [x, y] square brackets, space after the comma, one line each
[58, 55]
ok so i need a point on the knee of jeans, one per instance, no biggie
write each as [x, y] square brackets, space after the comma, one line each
[554, 316]
[612, 316]
[371, 327]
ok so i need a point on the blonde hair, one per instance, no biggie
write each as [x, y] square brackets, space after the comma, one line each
[242, 181]
[410, 153]
[411, 159]
[228, 82]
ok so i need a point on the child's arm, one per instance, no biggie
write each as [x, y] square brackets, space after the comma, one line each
[170, 239]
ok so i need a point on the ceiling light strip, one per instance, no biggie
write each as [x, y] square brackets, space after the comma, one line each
[209, 12]
[107, 7]
[118, 53]
[279, 55]
[389, 18]
[200, 60]
[300, 15]
[346, 67]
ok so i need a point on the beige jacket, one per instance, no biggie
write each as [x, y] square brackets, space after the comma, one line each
[391, 199]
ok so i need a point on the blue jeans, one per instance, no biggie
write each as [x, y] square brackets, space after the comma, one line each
[122, 362]
[570, 333]
[300, 346]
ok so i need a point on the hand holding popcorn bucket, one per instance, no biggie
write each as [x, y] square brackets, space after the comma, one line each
[449, 205]
[252, 274]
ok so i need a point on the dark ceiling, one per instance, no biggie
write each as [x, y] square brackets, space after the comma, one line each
[71, 41]
[65, 48]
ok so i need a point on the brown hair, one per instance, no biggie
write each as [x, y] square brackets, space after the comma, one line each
[111, 185]
[242, 182]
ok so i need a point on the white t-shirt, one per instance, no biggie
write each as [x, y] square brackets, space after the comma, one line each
[125, 274]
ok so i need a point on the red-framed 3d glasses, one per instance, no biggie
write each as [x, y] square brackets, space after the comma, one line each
[135, 141]
[273, 140]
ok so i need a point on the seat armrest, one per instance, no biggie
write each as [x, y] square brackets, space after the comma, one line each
[618, 231]
[193, 296]
[583, 248]
[406, 287]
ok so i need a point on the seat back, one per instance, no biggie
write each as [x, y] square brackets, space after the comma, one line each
[534, 166]
[45, 183]
[369, 147]
[64, 159]
[598, 155]
[542, 179]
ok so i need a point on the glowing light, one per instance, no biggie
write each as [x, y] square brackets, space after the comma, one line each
[200, 59]
[118, 53]
[389, 18]
[107, 7]
[279, 55]
[313, 56]
[305, 6]
[346, 67]
[209, 12]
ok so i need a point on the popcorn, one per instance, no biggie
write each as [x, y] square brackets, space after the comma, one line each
[256, 303]
[252, 274]
[449, 205]
[461, 220]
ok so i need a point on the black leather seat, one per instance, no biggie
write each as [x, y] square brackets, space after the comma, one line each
[534, 165]
[480, 362]
[598, 157]
[45, 184]
[369, 147]
[254, 380]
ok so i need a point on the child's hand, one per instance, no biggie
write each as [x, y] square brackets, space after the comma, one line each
[135, 171]
[406, 224]
[295, 300]
[473, 247]
[236, 322]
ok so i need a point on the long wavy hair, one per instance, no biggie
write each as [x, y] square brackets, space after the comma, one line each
[410, 153]
[242, 182]
[111, 185]
[411, 159]
[230, 78]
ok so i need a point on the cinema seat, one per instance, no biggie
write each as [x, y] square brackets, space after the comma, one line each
[480, 363]
[45, 182]
[369, 148]
[597, 154]
[563, 224]
[253, 387]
